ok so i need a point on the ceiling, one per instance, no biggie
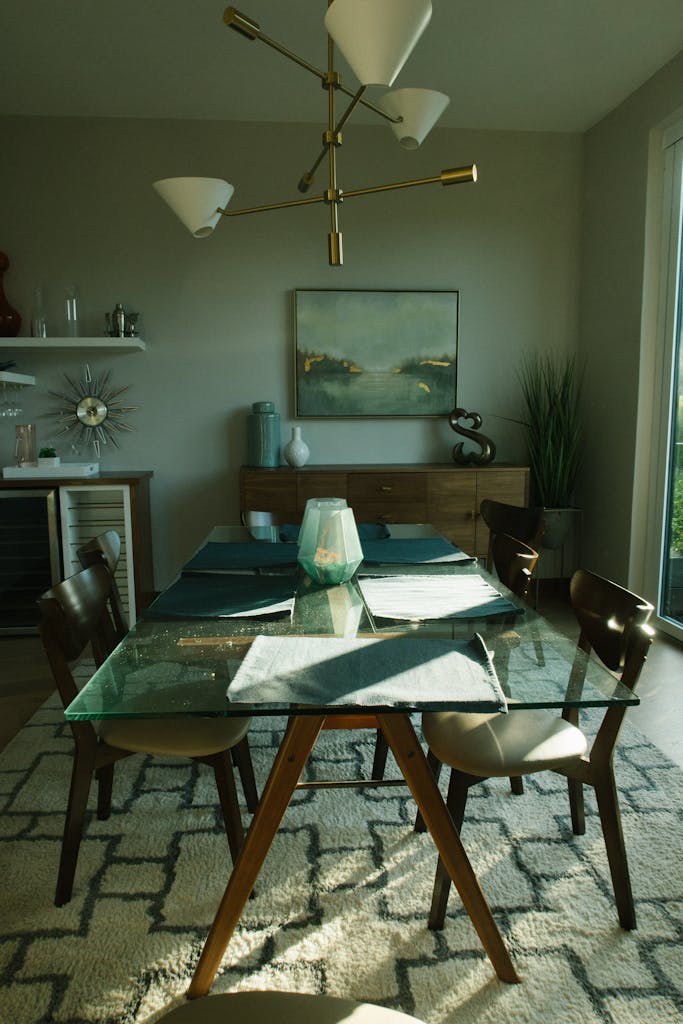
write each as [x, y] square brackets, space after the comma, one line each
[537, 65]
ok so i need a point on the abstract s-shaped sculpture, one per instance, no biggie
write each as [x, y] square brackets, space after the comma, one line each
[488, 448]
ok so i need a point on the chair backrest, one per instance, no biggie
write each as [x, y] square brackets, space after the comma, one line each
[524, 523]
[75, 614]
[613, 623]
[106, 549]
[261, 525]
[514, 562]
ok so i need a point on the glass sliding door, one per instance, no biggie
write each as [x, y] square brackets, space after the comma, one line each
[670, 608]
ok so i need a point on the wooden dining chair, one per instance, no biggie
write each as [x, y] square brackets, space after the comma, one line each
[74, 616]
[613, 626]
[514, 563]
[283, 1008]
[106, 548]
[526, 524]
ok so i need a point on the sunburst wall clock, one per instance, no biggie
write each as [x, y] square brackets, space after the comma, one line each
[93, 410]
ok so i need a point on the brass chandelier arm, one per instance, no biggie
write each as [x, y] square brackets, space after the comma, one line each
[273, 206]
[452, 176]
[252, 30]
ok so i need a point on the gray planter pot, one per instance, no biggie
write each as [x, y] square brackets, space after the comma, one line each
[557, 522]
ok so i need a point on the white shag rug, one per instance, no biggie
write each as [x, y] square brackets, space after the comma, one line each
[342, 903]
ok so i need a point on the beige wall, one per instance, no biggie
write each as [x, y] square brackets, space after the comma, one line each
[76, 204]
[616, 332]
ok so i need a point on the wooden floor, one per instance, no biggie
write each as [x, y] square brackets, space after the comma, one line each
[26, 682]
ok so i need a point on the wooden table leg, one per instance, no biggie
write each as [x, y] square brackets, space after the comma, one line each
[400, 735]
[296, 746]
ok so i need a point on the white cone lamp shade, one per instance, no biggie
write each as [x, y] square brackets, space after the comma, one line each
[377, 36]
[196, 201]
[419, 109]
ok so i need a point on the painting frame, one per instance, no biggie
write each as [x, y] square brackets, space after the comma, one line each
[375, 353]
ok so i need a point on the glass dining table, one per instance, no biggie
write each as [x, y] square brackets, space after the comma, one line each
[188, 654]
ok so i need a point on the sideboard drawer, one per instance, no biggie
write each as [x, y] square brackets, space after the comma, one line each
[387, 488]
[319, 485]
[389, 512]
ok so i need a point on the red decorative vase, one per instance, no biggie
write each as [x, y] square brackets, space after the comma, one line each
[10, 320]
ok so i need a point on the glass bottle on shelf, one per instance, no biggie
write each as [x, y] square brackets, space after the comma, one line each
[38, 318]
[71, 311]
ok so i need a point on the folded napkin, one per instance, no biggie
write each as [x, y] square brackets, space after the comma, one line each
[217, 556]
[403, 672]
[289, 532]
[412, 551]
[207, 596]
[433, 597]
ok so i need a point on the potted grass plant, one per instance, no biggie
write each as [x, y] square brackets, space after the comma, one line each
[551, 389]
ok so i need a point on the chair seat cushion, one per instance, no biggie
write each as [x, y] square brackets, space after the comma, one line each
[281, 1008]
[515, 743]
[179, 737]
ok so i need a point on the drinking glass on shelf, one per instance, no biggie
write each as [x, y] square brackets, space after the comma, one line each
[14, 403]
[71, 311]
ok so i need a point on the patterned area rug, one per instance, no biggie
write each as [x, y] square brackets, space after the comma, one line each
[342, 903]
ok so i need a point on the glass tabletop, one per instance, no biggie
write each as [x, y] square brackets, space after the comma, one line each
[183, 667]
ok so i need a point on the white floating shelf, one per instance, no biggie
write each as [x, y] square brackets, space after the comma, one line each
[113, 344]
[25, 379]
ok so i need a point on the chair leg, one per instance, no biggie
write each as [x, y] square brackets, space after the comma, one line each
[458, 787]
[436, 766]
[517, 785]
[575, 789]
[81, 775]
[610, 818]
[241, 758]
[105, 782]
[379, 761]
[227, 794]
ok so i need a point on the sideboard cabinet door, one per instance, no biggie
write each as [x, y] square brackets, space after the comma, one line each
[269, 490]
[452, 506]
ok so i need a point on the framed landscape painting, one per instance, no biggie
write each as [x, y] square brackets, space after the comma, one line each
[375, 353]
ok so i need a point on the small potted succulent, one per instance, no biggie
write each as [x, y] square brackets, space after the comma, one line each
[47, 457]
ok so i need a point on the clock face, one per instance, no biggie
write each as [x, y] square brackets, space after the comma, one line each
[93, 410]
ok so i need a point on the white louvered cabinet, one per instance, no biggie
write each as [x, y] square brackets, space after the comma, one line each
[114, 501]
[86, 512]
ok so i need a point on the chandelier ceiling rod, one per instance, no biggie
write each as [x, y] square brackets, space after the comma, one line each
[393, 27]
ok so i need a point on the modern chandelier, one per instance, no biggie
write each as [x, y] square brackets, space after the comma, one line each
[376, 37]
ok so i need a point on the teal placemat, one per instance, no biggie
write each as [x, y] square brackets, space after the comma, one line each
[217, 555]
[208, 596]
[412, 551]
[414, 673]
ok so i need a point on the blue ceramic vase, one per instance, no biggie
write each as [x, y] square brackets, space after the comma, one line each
[263, 435]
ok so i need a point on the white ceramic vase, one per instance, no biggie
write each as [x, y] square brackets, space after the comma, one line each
[296, 452]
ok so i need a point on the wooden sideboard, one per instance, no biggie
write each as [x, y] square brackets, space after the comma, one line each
[446, 496]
